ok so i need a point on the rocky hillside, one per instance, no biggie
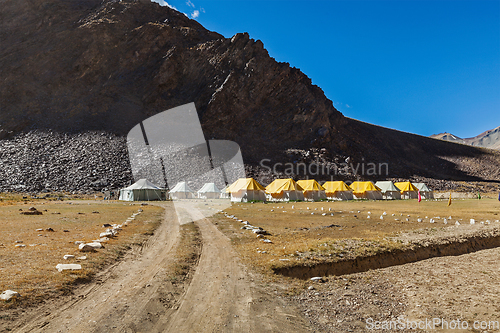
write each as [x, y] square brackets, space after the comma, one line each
[72, 70]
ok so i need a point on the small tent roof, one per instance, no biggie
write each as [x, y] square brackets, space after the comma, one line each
[143, 184]
[310, 185]
[209, 188]
[245, 184]
[422, 187]
[386, 186]
[406, 187]
[181, 187]
[336, 186]
[280, 185]
[361, 187]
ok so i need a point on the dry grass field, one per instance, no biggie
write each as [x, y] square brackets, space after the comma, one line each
[31, 269]
[307, 232]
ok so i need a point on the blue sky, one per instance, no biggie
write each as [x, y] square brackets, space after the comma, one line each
[423, 67]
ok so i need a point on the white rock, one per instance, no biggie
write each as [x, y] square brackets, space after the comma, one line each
[81, 258]
[384, 213]
[431, 220]
[312, 213]
[368, 217]
[419, 220]
[310, 288]
[369, 213]
[445, 221]
[9, 294]
[381, 217]
[79, 242]
[472, 221]
[307, 208]
[324, 214]
[317, 278]
[293, 206]
[457, 223]
[40, 229]
[272, 210]
[266, 241]
[85, 248]
[68, 256]
[64, 267]
[20, 245]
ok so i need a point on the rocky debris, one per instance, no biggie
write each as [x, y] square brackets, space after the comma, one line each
[79, 163]
[32, 212]
[65, 267]
[344, 304]
[50, 230]
[8, 295]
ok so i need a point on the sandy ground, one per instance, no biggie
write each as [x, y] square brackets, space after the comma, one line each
[135, 295]
[464, 288]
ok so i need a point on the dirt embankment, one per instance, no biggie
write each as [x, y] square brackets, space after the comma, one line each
[436, 243]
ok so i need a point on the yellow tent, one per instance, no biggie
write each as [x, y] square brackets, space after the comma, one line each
[312, 189]
[246, 189]
[408, 190]
[337, 190]
[284, 190]
[366, 190]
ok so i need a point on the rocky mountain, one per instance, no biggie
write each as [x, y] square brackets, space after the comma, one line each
[78, 75]
[489, 139]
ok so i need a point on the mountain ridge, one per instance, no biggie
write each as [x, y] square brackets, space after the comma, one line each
[103, 66]
[487, 139]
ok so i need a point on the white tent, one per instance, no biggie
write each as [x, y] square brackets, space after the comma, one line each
[181, 191]
[425, 191]
[209, 191]
[389, 190]
[142, 190]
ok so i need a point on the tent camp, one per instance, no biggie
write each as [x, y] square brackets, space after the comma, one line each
[366, 190]
[389, 190]
[338, 190]
[408, 190]
[284, 190]
[209, 191]
[425, 191]
[312, 189]
[246, 189]
[143, 190]
[181, 191]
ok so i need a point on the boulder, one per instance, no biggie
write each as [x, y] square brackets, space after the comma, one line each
[65, 267]
[9, 294]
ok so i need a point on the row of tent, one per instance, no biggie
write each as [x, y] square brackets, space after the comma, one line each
[144, 190]
[248, 189]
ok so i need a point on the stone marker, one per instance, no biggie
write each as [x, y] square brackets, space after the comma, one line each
[85, 248]
[64, 267]
[9, 294]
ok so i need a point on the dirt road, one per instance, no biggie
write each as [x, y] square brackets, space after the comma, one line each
[135, 295]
